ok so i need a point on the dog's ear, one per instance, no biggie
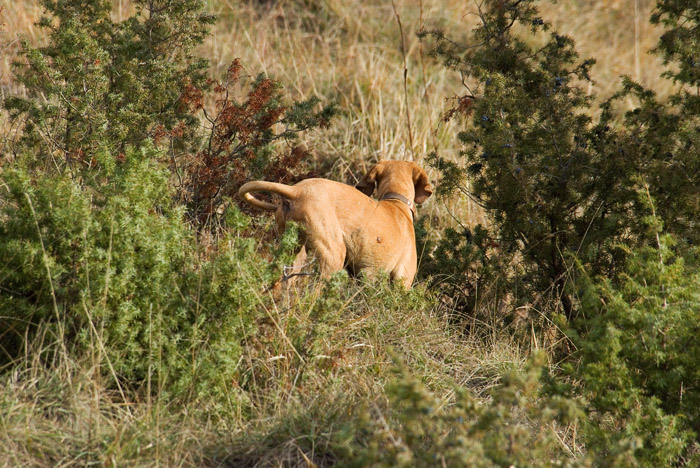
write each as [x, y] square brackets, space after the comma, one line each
[370, 180]
[422, 185]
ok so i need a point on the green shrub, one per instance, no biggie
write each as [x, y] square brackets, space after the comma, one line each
[526, 146]
[104, 86]
[116, 272]
[664, 134]
[637, 359]
[554, 180]
[101, 87]
[101, 257]
[116, 250]
[679, 42]
[465, 269]
[515, 428]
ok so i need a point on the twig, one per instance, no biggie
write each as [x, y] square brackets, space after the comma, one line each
[46, 264]
[405, 78]
[279, 329]
[426, 96]
[103, 351]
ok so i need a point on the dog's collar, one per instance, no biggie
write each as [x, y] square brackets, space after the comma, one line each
[402, 199]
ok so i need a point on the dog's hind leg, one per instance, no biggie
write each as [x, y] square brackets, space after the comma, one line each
[404, 274]
[330, 256]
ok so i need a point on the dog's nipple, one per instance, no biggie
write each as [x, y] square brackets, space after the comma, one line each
[379, 239]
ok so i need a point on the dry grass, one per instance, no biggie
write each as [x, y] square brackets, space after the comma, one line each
[61, 413]
[61, 416]
[618, 34]
[349, 369]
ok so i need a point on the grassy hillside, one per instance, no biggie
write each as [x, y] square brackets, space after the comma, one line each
[145, 341]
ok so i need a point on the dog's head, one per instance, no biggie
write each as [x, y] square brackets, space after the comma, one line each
[406, 178]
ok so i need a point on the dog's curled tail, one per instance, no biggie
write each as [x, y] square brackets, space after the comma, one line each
[287, 191]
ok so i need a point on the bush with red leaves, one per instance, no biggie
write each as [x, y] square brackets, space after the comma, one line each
[240, 137]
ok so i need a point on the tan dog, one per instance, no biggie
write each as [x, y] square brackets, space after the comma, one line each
[344, 228]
